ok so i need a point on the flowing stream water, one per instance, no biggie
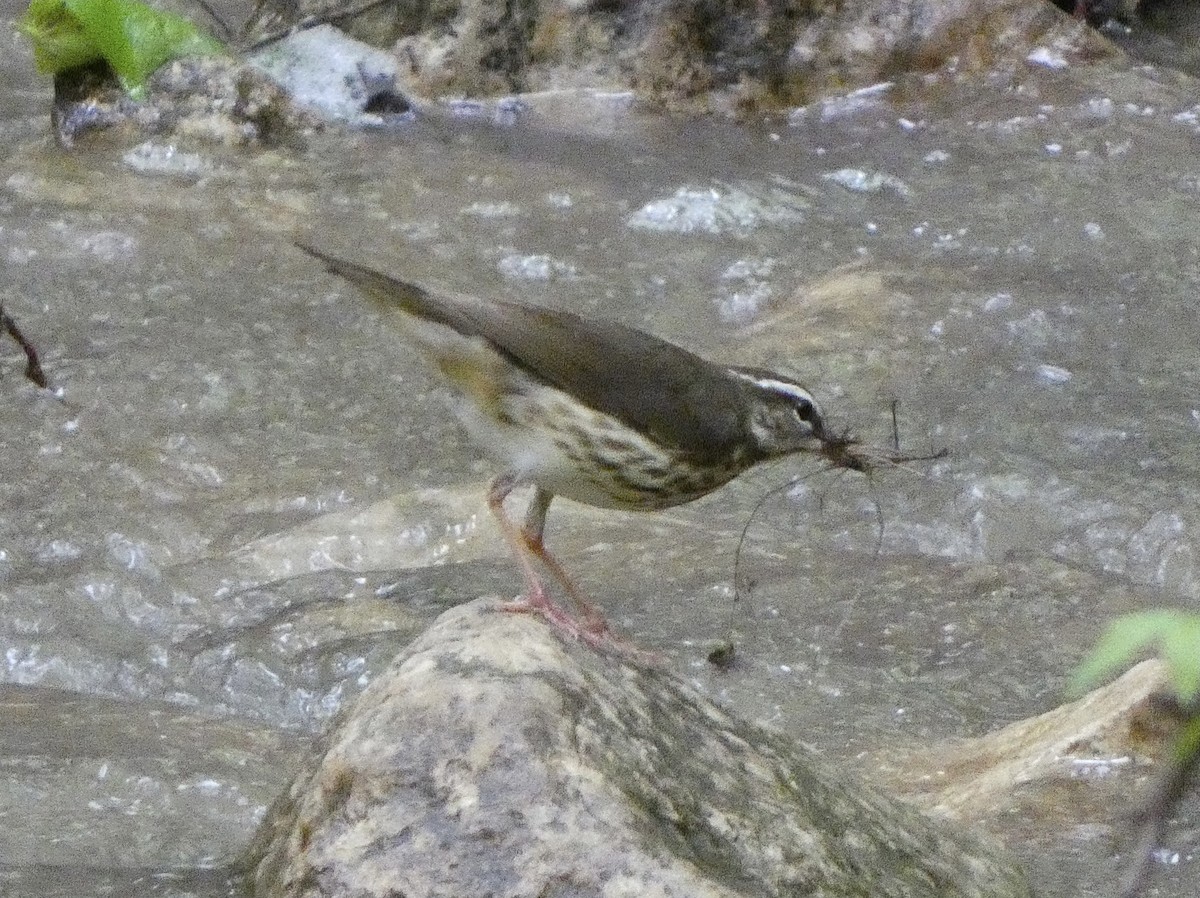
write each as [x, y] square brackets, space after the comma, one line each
[248, 496]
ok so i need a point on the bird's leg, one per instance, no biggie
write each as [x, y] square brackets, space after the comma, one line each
[535, 600]
[535, 593]
[594, 628]
[531, 533]
[526, 543]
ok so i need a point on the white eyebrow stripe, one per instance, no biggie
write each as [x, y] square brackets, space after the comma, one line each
[779, 386]
[782, 386]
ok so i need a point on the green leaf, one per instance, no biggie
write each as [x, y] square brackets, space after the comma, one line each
[1181, 652]
[131, 37]
[59, 41]
[1187, 743]
[1177, 634]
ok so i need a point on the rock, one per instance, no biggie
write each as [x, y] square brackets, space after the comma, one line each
[1164, 33]
[493, 759]
[693, 55]
[196, 101]
[333, 75]
[1109, 726]
[690, 56]
[272, 98]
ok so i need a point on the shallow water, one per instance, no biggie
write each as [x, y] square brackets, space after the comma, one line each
[249, 496]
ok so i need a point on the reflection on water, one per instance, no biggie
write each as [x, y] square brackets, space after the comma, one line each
[196, 528]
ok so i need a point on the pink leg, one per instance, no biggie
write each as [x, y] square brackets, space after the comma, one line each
[526, 543]
[531, 534]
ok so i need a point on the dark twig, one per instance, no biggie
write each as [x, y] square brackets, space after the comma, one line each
[1165, 793]
[227, 33]
[330, 17]
[844, 451]
[841, 451]
[722, 656]
[33, 365]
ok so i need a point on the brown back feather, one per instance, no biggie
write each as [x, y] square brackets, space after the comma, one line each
[653, 386]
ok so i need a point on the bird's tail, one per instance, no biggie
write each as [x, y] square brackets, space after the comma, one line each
[388, 293]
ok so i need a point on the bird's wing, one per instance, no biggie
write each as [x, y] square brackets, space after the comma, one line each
[654, 386]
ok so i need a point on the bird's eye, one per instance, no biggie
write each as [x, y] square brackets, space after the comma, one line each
[805, 410]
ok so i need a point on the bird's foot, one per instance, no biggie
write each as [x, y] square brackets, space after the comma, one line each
[593, 630]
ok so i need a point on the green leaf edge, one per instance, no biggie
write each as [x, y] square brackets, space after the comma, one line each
[1177, 634]
[133, 38]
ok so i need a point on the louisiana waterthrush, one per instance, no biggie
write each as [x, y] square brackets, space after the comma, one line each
[595, 411]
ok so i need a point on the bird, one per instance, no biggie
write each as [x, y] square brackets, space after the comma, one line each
[591, 410]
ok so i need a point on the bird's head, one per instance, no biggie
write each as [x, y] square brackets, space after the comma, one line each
[784, 416]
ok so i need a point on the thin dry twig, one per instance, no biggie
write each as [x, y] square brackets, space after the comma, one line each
[841, 451]
[844, 451]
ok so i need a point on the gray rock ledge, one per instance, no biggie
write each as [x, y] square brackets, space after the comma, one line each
[493, 759]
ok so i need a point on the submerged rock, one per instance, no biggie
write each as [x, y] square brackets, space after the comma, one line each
[200, 101]
[493, 759]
